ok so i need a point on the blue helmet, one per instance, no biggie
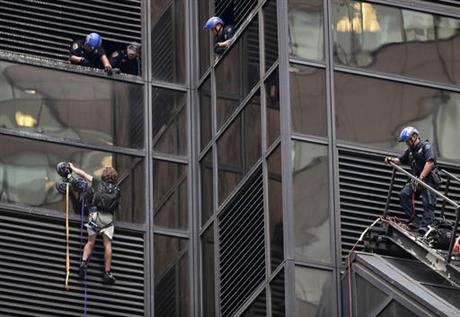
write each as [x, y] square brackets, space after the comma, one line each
[211, 23]
[93, 40]
[406, 133]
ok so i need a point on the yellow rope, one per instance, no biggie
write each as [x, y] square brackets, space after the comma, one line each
[67, 260]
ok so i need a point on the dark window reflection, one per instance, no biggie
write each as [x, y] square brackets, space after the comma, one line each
[205, 113]
[238, 73]
[272, 92]
[207, 192]
[369, 297]
[388, 107]
[271, 33]
[207, 245]
[315, 295]
[71, 106]
[311, 203]
[172, 282]
[239, 147]
[28, 175]
[204, 36]
[275, 208]
[168, 40]
[169, 121]
[258, 308]
[391, 39]
[396, 309]
[277, 294]
[170, 195]
[308, 100]
[306, 31]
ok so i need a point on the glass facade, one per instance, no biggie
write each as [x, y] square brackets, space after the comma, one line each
[301, 82]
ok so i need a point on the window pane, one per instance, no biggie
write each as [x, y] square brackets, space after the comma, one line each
[273, 107]
[172, 283]
[308, 100]
[28, 175]
[277, 292]
[207, 189]
[203, 36]
[168, 40]
[306, 32]
[271, 33]
[396, 309]
[205, 113]
[368, 297]
[275, 208]
[238, 73]
[388, 107]
[169, 121]
[390, 39]
[72, 106]
[258, 308]
[208, 296]
[311, 203]
[239, 147]
[170, 195]
[314, 293]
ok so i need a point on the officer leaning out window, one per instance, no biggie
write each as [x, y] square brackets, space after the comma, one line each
[89, 52]
[222, 34]
[127, 60]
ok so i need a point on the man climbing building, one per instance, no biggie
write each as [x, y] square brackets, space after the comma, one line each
[106, 198]
[222, 34]
[421, 157]
[89, 52]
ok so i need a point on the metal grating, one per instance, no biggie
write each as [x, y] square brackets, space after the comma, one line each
[32, 270]
[241, 245]
[233, 11]
[47, 28]
[364, 182]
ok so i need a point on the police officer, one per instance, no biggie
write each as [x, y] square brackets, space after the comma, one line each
[89, 52]
[127, 60]
[421, 156]
[222, 34]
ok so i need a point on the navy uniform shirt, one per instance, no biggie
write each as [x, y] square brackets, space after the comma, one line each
[92, 59]
[227, 34]
[417, 157]
[119, 59]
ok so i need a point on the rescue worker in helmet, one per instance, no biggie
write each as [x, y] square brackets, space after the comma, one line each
[127, 60]
[421, 157]
[89, 52]
[222, 34]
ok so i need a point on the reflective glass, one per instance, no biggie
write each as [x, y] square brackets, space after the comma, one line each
[71, 106]
[277, 295]
[170, 195]
[308, 100]
[275, 208]
[314, 293]
[239, 147]
[311, 202]
[388, 106]
[258, 308]
[207, 189]
[238, 72]
[28, 175]
[369, 297]
[391, 40]
[208, 296]
[396, 309]
[204, 38]
[172, 277]
[169, 121]
[271, 33]
[306, 31]
[168, 40]
[272, 93]
[205, 113]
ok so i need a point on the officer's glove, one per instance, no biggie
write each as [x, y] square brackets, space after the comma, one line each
[415, 185]
[83, 61]
[109, 70]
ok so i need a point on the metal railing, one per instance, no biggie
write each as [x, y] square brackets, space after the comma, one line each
[438, 193]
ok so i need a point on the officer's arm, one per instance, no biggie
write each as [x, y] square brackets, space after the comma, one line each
[81, 173]
[75, 59]
[426, 169]
[395, 160]
[105, 62]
